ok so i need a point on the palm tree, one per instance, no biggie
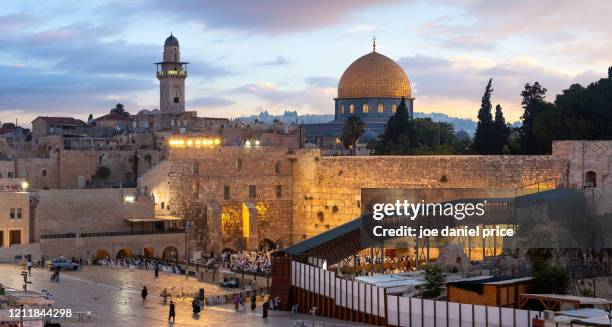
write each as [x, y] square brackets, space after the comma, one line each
[354, 127]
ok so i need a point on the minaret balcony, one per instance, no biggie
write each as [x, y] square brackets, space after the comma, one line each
[177, 73]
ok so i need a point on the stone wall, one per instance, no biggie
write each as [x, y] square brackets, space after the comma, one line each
[193, 184]
[589, 165]
[87, 211]
[327, 190]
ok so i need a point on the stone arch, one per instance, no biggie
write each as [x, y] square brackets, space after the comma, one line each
[124, 253]
[590, 179]
[101, 254]
[267, 244]
[148, 252]
[170, 253]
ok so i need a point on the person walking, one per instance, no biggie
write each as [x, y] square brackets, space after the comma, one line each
[236, 300]
[253, 302]
[171, 313]
[156, 270]
[266, 306]
[164, 294]
[144, 293]
[29, 264]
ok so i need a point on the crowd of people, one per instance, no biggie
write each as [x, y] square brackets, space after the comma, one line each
[364, 264]
[141, 263]
[256, 262]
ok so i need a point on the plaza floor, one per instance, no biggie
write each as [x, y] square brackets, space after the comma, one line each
[113, 296]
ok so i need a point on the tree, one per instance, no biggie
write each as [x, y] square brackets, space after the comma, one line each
[534, 105]
[483, 138]
[501, 132]
[120, 110]
[434, 279]
[353, 128]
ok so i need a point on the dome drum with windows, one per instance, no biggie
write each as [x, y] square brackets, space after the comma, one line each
[372, 87]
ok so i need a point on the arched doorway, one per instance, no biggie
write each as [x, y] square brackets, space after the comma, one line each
[101, 254]
[590, 179]
[170, 253]
[124, 253]
[148, 252]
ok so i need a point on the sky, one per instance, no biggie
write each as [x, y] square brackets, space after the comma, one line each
[73, 58]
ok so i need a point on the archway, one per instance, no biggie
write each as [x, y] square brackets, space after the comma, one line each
[590, 179]
[101, 254]
[267, 244]
[170, 253]
[124, 253]
[149, 252]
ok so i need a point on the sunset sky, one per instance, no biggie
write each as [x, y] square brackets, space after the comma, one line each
[74, 58]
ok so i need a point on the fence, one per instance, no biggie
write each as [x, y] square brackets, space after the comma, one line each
[365, 301]
[413, 312]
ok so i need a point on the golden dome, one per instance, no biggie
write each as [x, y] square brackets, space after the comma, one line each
[374, 76]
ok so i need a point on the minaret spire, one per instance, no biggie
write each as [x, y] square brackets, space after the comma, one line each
[373, 43]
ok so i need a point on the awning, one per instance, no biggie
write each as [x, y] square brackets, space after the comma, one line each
[153, 219]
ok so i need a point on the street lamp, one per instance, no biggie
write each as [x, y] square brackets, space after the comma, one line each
[25, 185]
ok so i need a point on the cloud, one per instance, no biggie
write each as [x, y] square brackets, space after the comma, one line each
[322, 81]
[362, 29]
[209, 101]
[279, 61]
[273, 17]
[547, 26]
[455, 85]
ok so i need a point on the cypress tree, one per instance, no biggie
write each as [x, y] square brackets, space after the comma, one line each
[484, 129]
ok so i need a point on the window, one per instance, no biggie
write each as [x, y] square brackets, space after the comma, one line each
[381, 108]
[14, 237]
[19, 213]
[279, 191]
[277, 168]
[352, 108]
[365, 108]
[252, 191]
[43, 173]
[12, 213]
[226, 192]
[239, 164]
[590, 179]
[176, 100]
[196, 168]
[342, 109]
[1, 238]
[163, 204]
[0, 174]
[10, 174]
[393, 108]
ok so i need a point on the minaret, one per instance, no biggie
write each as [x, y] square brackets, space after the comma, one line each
[171, 74]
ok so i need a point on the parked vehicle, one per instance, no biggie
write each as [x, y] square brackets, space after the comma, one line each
[229, 282]
[62, 264]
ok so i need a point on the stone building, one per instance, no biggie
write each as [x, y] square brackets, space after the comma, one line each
[223, 188]
[15, 220]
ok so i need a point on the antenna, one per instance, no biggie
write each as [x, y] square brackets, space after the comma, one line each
[373, 43]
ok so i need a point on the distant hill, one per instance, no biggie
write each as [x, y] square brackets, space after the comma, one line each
[465, 124]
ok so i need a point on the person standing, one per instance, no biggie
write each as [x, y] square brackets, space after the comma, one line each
[253, 302]
[144, 293]
[29, 264]
[156, 270]
[266, 306]
[171, 313]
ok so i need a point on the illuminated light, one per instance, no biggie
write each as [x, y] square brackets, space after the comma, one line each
[198, 142]
[256, 142]
[190, 142]
[247, 143]
[217, 141]
[25, 185]
[129, 199]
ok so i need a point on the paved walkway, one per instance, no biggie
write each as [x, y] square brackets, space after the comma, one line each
[113, 295]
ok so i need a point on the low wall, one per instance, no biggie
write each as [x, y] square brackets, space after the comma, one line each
[8, 254]
[86, 247]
